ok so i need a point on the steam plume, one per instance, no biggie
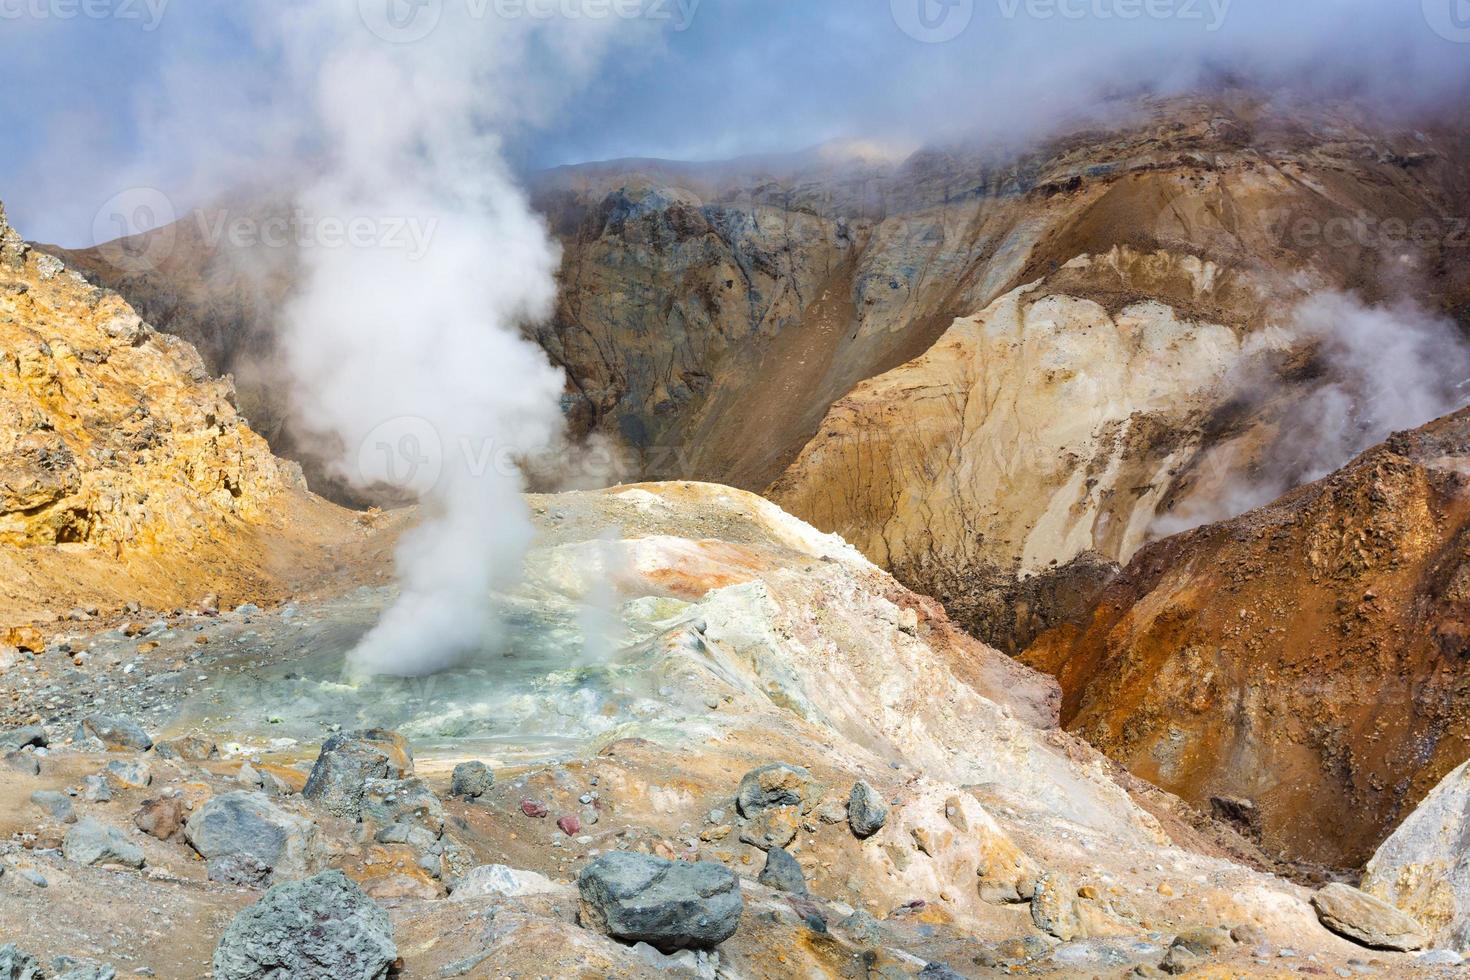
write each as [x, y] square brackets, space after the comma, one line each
[411, 357]
[1385, 369]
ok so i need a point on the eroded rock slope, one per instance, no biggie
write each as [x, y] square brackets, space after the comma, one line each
[1307, 657]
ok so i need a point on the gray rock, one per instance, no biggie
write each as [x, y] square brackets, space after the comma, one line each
[782, 872]
[1437, 957]
[390, 801]
[70, 968]
[24, 762]
[114, 734]
[415, 836]
[34, 877]
[866, 811]
[1367, 920]
[93, 842]
[18, 738]
[1054, 907]
[96, 790]
[249, 823]
[1204, 940]
[670, 905]
[775, 785]
[323, 928]
[497, 880]
[15, 965]
[1180, 960]
[471, 780]
[241, 870]
[189, 748]
[57, 805]
[129, 772]
[350, 759]
[939, 971]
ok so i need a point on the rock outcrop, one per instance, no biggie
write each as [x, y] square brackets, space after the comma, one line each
[125, 471]
[1305, 657]
[1047, 427]
[1424, 866]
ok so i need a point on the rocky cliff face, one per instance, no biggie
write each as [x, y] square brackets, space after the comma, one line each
[125, 472]
[1049, 427]
[1307, 657]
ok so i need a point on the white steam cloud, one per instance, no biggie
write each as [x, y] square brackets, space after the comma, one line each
[1384, 369]
[411, 357]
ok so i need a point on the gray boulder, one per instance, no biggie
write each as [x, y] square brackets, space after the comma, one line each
[18, 738]
[866, 810]
[71, 968]
[670, 905]
[776, 785]
[323, 928]
[93, 842]
[23, 762]
[15, 965]
[782, 872]
[349, 760]
[1367, 920]
[57, 805]
[250, 824]
[471, 780]
[114, 734]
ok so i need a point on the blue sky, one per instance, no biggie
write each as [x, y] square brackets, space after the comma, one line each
[133, 93]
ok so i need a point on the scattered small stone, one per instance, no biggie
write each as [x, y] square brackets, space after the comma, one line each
[471, 780]
[58, 806]
[34, 877]
[534, 808]
[866, 811]
[323, 928]
[93, 842]
[670, 905]
[570, 825]
[782, 872]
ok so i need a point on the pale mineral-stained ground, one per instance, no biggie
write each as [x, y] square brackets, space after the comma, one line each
[750, 639]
